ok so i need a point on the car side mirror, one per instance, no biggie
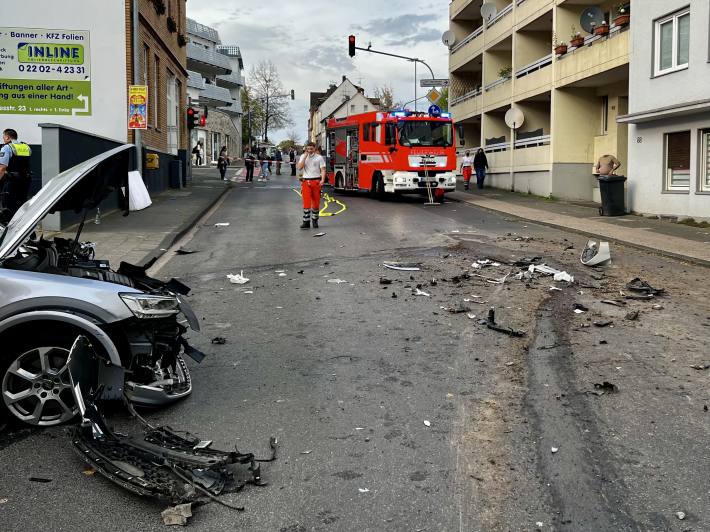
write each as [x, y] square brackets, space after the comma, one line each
[460, 135]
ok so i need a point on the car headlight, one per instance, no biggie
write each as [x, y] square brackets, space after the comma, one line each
[151, 306]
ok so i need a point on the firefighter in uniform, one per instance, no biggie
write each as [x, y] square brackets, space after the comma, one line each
[15, 174]
[313, 166]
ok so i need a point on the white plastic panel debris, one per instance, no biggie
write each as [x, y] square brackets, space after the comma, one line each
[596, 253]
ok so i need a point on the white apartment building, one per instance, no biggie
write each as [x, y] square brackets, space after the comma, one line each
[669, 109]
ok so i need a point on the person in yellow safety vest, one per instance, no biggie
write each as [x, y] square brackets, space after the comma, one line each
[15, 175]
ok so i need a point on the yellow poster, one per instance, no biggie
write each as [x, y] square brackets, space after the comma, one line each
[138, 107]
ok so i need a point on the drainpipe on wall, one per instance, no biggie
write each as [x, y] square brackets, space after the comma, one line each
[136, 81]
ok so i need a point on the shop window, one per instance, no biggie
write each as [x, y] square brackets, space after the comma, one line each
[705, 160]
[672, 42]
[677, 161]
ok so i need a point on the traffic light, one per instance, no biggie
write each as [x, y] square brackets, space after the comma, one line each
[293, 95]
[351, 45]
[191, 118]
[203, 120]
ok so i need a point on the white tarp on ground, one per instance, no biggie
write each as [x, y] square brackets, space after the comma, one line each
[138, 197]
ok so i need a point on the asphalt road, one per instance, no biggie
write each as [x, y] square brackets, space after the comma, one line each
[394, 413]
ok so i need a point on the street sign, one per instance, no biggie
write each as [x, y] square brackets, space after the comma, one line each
[434, 110]
[434, 82]
[433, 95]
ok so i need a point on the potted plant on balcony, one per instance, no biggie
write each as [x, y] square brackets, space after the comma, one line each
[623, 17]
[506, 72]
[602, 29]
[576, 40]
[559, 47]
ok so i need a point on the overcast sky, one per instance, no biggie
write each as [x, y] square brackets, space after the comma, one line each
[307, 41]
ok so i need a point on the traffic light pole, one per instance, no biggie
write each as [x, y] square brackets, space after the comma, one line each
[414, 60]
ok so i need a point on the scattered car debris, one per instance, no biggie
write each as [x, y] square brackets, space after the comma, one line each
[222, 224]
[700, 367]
[595, 253]
[384, 280]
[337, 281]
[237, 278]
[579, 307]
[177, 515]
[427, 423]
[89, 472]
[363, 490]
[458, 308]
[484, 263]
[614, 302]
[603, 323]
[632, 316]
[394, 296]
[491, 324]
[471, 316]
[638, 297]
[40, 480]
[500, 280]
[219, 340]
[418, 292]
[554, 449]
[680, 515]
[318, 235]
[183, 251]
[307, 452]
[604, 388]
[527, 262]
[175, 467]
[555, 289]
[641, 286]
[657, 307]
[543, 269]
[300, 272]
[402, 266]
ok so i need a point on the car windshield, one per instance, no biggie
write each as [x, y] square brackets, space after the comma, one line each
[425, 133]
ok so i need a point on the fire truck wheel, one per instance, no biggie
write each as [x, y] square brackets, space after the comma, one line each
[379, 187]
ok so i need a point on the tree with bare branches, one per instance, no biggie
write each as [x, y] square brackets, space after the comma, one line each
[267, 88]
[386, 96]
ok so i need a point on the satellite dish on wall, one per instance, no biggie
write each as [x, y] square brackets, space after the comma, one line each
[514, 118]
[488, 11]
[591, 18]
[448, 38]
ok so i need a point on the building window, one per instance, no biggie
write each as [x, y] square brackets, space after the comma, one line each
[677, 161]
[605, 115]
[173, 112]
[705, 160]
[672, 42]
[146, 55]
[154, 92]
[364, 108]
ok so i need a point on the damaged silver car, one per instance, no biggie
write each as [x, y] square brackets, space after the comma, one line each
[52, 291]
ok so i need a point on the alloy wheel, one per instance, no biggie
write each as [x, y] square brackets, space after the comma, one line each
[36, 387]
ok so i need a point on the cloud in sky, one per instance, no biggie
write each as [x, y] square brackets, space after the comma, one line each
[308, 42]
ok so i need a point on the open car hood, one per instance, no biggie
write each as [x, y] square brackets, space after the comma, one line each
[84, 186]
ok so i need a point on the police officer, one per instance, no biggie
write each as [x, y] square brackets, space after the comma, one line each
[15, 174]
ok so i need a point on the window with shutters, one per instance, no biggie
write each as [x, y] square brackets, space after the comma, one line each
[677, 158]
[705, 160]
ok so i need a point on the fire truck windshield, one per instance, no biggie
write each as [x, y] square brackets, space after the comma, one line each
[425, 133]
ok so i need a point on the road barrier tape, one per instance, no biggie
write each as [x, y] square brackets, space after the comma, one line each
[328, 199]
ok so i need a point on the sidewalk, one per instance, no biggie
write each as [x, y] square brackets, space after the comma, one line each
[148, 233]
[659, 236]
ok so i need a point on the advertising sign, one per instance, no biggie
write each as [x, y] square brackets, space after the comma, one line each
[138, 107]
[45, 72]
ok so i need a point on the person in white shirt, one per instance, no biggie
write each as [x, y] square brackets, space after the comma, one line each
[466, 169]
[312, 179]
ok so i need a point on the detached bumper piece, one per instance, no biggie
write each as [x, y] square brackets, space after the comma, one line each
[168, 465]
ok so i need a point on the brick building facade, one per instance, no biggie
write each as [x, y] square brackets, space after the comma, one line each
[162, 59]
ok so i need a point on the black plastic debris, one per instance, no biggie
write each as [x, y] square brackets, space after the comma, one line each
[579, 306]
[491, 324]
[527, 261]
[183, 251]
[384, 280]
[458, 308]
[603, 323]
[640, 286]
[700, 367]
[640, 297]
[632, 316]
[614, 302]
[40, 480]
[219, 340]
[394, 296]
[604, 388]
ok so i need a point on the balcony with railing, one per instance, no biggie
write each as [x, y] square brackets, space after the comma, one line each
[464, 51]
[467, 105]
[231, 81]
[526, 10]
[202, 31]
[207, 61]
[214, 96]
[500, 24]
[534, 78]
[596, 56]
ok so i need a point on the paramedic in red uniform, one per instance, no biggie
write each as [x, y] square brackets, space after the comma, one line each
[312, 166]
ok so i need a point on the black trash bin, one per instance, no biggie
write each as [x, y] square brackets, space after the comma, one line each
[611, 188]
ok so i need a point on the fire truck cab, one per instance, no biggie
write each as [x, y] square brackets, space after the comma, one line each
[392, 153]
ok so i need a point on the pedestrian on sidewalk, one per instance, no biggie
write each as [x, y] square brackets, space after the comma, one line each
[607, 165]
[466, 168]
[15, 175]
[197, 152]
[480, 164]
[313, 166]
[222, 162]
[292, 160]
[265, 163]
[279, 159]
[249, 165]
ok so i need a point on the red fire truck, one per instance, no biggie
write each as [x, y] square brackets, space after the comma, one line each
[393, 152]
